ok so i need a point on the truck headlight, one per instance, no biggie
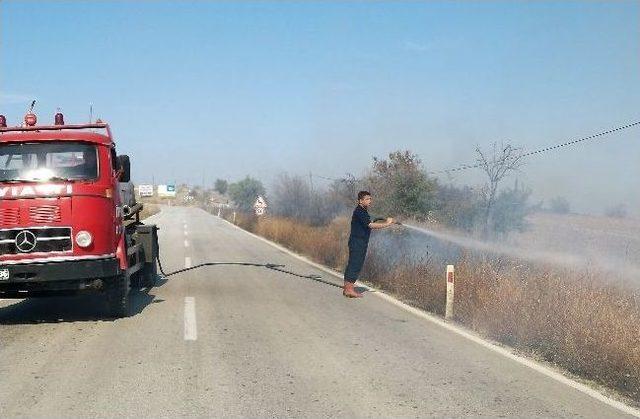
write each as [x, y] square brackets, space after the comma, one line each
[84, 239]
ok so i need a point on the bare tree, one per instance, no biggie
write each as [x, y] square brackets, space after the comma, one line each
[497, 164]
[291, 196]
[345, 189]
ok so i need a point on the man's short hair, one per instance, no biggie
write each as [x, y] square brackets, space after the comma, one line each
[362, 194]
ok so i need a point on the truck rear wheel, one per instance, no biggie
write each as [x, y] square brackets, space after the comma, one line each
[118, 302]
[149, 275]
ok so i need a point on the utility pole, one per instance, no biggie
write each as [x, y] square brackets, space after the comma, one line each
[311, 181]
[204, 199]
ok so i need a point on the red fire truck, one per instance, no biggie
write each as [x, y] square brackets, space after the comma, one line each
[64, 228]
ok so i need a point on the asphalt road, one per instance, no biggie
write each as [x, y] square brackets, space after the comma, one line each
[237, 341]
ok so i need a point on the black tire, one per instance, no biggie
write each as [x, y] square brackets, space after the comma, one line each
[118, 303]
[149, 275]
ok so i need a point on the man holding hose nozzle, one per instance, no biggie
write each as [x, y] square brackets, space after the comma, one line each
[361, 227]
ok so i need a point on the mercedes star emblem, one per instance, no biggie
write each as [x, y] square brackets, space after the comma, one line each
[26, 241]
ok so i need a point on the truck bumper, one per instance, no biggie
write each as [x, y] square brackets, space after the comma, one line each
[32, 279]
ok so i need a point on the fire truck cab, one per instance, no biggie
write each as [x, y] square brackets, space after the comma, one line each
[63, 226]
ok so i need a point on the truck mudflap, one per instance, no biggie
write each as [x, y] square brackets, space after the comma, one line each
[55, 276]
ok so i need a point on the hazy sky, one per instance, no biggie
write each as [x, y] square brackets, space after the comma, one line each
[230, 89]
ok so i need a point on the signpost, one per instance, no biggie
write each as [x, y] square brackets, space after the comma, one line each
[260, 206]
[450, 278]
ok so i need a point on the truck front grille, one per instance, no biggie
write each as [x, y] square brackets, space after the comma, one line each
[35, 240]
[45, 214]
[9, 216]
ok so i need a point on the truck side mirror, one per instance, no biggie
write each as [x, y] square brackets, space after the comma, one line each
[124, 167]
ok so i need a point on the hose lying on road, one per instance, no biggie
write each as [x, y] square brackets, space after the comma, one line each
[271, 266]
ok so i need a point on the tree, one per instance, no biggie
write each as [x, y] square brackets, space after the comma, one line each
[401, 187]
[221, 186]
[459, 207]
[345, 190]
[245, 192]
[510, 210]
[497, 165]
[292, 197]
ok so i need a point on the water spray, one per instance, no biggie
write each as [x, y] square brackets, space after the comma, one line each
[563, 259]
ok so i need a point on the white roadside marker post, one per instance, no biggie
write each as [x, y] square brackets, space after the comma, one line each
[234, 217]
[450, 278]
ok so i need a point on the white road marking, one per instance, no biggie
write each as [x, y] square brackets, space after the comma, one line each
[186, 243]
[461, 331]
[186, 233]
[190, 327]
[187, 262]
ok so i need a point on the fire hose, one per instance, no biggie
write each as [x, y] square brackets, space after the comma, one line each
[271, 266]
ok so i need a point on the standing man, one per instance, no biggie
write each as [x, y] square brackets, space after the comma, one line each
[361, 226]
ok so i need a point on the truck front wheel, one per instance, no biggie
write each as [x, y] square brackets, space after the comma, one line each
[118, 301]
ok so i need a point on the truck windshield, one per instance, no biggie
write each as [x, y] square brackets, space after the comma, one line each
[50, 161]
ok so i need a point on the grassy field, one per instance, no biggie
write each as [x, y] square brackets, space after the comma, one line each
[571, 318]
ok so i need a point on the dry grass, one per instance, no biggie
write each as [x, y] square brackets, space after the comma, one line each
[325, 245]
[148, 210]
[571, 319]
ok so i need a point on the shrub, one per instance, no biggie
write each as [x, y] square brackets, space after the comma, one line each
[245, 192]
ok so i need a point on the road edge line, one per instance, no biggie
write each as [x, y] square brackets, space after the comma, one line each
[466, 333]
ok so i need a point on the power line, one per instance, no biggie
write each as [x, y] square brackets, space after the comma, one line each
[527, 154]
[591, 137]
[543, 150]
[326, 177]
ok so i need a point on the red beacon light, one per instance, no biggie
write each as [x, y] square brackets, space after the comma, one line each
[58, 119]
[3, 121]
[30, 119]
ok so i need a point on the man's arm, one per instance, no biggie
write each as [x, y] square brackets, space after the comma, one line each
[382, 224]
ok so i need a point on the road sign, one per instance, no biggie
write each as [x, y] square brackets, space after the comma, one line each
[145, 190]
[167, 191]
[260, 206]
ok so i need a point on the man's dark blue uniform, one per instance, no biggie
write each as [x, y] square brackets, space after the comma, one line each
[358, 243]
